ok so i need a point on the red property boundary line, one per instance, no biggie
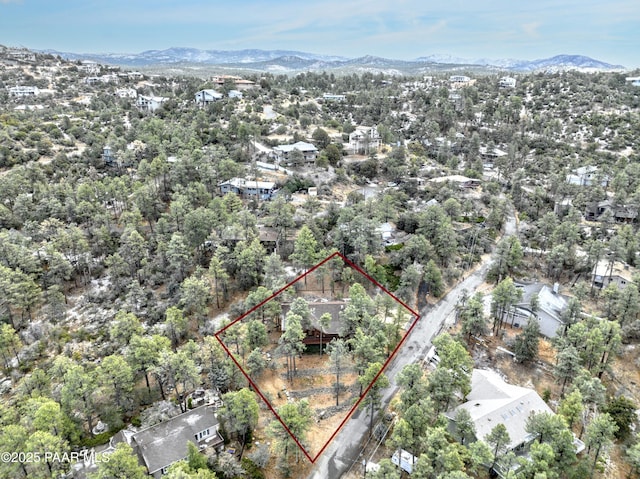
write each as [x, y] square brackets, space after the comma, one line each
[354, 266]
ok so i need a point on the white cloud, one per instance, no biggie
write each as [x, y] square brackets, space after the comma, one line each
[531, 29]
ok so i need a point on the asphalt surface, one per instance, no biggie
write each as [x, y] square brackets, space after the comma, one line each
[344, 452]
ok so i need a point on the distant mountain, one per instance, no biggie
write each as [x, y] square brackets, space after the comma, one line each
[192, 55]
[289, 61]
[559, 62]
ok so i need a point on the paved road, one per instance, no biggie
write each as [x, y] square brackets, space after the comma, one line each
[344, 451]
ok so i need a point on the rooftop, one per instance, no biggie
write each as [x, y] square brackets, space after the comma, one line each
[166, 443]
[300, 145]
[244, 183]
[493, 401]
[623, 270]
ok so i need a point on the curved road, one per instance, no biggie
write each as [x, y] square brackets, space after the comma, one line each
[344, 451]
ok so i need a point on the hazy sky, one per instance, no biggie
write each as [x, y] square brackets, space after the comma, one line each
[402, 29]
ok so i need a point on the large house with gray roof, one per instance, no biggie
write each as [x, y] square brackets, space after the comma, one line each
[492, 401]
[161, 445]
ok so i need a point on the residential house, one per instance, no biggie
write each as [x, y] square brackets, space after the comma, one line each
[206, 97]
[24, 91]
[333, 330]
[92, 80]
[109, 78]
[235, 94]
[284, 153]
[333, 97]
[492, 401]
[586, 176]
[364, 139]
[605, 272]
[551, 305]
[161, 445]
[459, 81]
[620, 213]
[22, 55]
[126, 93]
[441, 145]
[490, 155]
[507, 82]
[107, 156]
[238, 83]
[635, 81]
[89, 66]
[264, 190]
[561, 208]
[150, 103]
[390, 235]
[462, 181]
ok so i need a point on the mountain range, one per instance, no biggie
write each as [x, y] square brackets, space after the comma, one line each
[290, 61]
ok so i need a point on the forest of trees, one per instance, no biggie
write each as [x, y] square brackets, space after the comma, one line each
[112, 275]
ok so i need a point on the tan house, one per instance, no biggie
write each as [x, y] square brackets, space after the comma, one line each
[605, 273]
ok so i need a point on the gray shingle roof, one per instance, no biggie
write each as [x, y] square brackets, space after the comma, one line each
[493, 401]
[166, 443]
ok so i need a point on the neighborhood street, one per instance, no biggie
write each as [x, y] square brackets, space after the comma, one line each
[344, 452]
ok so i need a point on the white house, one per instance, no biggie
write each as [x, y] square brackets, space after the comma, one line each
[89, 66]
[22, 91]
[283, 153]
[364, 139]
[22, 55]
[150, 103]
[586, 176]
[333, 97]
[126, 93]
[635, 81]
[551, 305]
[109, 78]
[264, 190]
[459, 79]
[235, 94]
[507, 82]
[206, 97]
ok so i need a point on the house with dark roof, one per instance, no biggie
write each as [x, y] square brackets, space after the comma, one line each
[333, 330]
[161, 445]
[284, 153]
[620, 213]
